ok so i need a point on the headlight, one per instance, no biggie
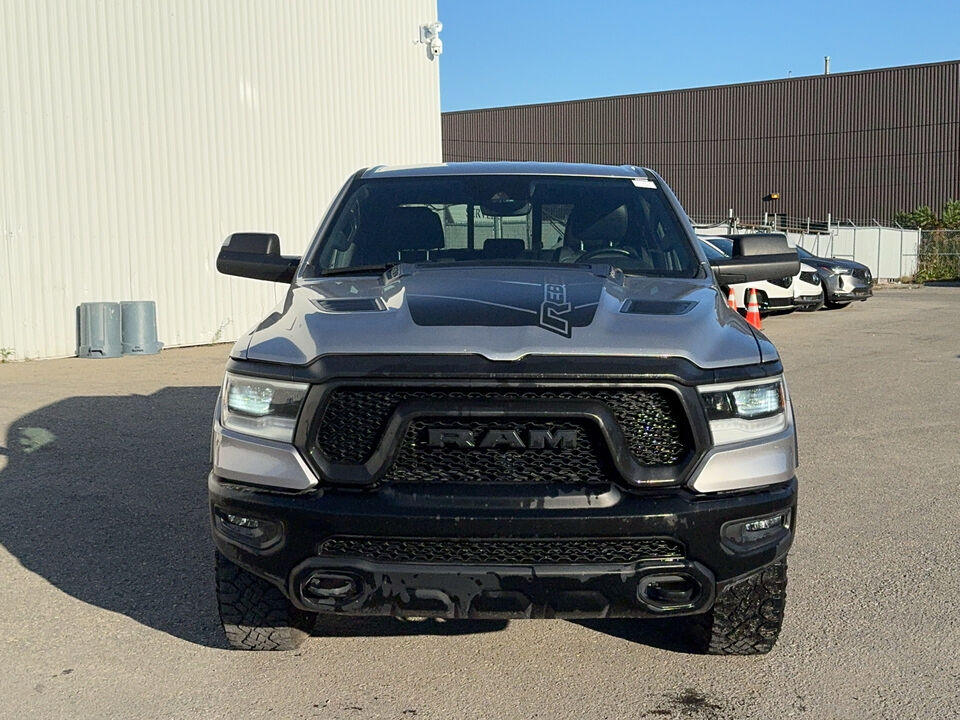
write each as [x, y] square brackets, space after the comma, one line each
[745, 411]
[265, 408]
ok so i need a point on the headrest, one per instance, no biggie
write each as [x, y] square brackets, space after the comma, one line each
[597, 226]
[412, 228]
[503, 247]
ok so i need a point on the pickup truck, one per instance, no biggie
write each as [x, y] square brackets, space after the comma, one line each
[504, 390]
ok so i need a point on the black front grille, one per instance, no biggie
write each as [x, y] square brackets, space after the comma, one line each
[862, 274]
[418, 463]
[783, 282]
[502, 552]
[810, 277]
[652, 419]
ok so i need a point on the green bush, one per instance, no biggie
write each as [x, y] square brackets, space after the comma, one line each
[938, 256]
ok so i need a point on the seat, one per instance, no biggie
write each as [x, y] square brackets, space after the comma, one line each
[401, 229]
[503, 248]
[591, 227]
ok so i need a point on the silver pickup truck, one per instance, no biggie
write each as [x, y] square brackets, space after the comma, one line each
[505, 390]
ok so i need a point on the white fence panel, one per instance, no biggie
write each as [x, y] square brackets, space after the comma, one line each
[890, 253]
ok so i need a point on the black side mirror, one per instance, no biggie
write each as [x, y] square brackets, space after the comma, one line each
[757, 257]
[257, 256]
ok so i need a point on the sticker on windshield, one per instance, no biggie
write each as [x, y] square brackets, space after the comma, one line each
[644, 182]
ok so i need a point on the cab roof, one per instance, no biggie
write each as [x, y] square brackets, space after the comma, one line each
[506, 168]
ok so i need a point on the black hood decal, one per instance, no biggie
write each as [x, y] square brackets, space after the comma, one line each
[557, 302]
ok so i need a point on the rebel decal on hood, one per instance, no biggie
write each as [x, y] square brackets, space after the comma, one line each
[557, 302]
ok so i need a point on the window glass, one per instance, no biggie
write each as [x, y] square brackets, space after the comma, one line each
[503, 218]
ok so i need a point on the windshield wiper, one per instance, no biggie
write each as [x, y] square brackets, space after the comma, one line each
[357, 269]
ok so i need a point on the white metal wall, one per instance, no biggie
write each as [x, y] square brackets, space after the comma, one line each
[136, 134]
[890, 253]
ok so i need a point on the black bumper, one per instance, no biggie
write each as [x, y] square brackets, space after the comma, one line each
[854, 296]
[662, 582]
[808, 302]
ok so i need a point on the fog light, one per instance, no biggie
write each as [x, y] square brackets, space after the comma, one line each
[241, 521]
[756, 532]
[765, 524]
[253, 532]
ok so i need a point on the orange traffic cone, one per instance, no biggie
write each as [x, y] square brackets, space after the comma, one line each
[732, 300]
[753, 310]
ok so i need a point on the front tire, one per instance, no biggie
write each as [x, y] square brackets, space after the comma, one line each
[255, 614]
[746, 617]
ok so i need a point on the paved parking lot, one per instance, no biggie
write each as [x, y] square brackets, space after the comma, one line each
[107, 607]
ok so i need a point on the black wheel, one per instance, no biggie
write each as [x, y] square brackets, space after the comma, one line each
[255, 614]
[746, 617]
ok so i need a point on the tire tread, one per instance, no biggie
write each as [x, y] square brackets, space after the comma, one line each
[255, 614]
[746, 617]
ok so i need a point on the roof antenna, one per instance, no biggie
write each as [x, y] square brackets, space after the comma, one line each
[826, 64]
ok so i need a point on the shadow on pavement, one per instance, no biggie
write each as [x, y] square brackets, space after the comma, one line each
[666, 634]
[105, 498]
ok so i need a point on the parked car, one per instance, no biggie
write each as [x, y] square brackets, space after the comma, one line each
[844, 281]
[460, 419]
[802, 291]
[808, 292]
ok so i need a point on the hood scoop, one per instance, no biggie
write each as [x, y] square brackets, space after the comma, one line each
[657, 307]
[350, 305]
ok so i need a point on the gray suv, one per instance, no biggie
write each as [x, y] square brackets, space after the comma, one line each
[505, 390]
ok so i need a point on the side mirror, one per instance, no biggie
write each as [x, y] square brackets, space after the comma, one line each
[757, 257]
[256, 256]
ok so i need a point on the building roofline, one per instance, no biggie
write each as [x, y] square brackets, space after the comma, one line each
[703, 87]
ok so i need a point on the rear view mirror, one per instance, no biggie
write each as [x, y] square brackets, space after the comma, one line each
[757, 257]
[256, 256]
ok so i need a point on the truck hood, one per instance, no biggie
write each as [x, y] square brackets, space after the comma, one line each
[505, 313]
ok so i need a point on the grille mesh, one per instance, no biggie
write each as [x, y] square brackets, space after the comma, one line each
[502, 552]
[418, 463]
[651, 419]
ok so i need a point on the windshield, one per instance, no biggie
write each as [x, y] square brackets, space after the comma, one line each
[502, 219]
[724, 245]
[710, 251]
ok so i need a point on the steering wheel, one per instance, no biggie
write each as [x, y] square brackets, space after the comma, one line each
[628, 251]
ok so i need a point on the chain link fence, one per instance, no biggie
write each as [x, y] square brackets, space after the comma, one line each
[938, 255]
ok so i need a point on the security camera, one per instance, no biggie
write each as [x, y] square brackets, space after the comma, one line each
[430, 36]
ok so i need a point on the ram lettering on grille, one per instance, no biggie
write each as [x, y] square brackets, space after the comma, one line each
[511, 449]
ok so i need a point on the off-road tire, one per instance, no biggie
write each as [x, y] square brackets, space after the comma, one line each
[255, 614]
[746, 617]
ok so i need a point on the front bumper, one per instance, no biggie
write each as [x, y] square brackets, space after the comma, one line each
[808, 302]
[775, 304]
[846, 288]
[659, 583]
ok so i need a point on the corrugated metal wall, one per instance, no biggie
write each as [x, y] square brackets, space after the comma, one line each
[859, 145]
[136, 134]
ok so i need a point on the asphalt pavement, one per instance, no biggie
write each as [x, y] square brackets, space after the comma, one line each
[107, 607]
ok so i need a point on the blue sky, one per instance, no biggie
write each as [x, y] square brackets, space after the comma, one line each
[498, 52]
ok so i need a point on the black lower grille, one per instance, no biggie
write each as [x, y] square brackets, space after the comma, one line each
[502, 552]
[418, 463]
[652, 419]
